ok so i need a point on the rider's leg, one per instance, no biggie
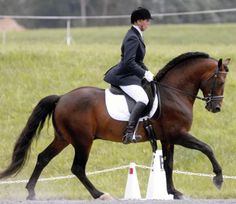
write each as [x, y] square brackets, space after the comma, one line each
[139, 95]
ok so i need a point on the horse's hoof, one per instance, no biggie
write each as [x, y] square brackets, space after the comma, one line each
[30, 198]
[177, 194]
[218, 181]
[106, 196]
[179, 197]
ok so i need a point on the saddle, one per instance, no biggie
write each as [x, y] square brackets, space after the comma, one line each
[151, 90]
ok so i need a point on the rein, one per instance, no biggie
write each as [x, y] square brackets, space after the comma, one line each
[207, 99]
[180, 91]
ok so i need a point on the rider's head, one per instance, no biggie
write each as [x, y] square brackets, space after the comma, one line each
[140, 14]
[141, 17]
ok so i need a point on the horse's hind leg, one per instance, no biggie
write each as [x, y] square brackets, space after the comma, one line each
[78, 169]
[44, 158]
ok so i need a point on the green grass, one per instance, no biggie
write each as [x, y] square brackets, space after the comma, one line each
[37, 63]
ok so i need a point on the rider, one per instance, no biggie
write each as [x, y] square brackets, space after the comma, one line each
[130, 71]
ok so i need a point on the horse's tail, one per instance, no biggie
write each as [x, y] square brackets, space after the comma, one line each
[32, 129]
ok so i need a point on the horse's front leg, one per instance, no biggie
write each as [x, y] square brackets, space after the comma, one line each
[189, 141]
[168, 156]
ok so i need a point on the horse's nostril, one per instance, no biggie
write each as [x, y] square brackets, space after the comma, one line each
[217, 109]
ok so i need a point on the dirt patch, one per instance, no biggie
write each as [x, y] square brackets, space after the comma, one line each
[9, 24]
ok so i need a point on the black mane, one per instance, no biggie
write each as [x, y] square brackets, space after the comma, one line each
[178, 60]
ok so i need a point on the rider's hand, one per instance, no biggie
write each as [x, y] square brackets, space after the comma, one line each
[149, 76]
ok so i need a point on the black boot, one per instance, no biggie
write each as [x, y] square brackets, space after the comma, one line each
[133, 120]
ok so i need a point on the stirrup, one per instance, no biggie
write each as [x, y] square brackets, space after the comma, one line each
[131, 138]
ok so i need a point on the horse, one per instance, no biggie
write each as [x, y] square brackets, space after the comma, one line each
[80, 116]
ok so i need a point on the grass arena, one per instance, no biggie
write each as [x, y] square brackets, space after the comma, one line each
[37, 63]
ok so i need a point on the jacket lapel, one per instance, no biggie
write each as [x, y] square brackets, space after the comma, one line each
[138, 34]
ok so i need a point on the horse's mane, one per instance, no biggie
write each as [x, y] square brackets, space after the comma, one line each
[181, 58]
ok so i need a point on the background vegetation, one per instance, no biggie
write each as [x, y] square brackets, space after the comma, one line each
[115, 7]
[36, 63]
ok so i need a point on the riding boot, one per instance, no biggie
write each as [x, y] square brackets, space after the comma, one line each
[133, 120]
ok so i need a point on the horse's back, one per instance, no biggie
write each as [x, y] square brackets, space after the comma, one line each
[81, 98]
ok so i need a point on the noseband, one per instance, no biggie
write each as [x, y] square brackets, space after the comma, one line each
[210, 96]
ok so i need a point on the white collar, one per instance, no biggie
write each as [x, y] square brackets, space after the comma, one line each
[138, 29]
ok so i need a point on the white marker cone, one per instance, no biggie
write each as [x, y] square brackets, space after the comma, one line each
[157, 180]
[132, 190]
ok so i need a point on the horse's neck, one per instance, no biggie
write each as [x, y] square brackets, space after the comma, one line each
[186, 79]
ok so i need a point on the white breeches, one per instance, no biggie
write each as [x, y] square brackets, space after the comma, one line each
[136, 92]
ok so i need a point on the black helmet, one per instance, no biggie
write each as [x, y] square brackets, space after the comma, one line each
[140, 14]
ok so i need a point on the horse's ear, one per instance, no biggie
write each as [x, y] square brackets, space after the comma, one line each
[220, 63]
[226, 62]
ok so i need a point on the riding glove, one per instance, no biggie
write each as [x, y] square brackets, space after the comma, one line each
[149, 76]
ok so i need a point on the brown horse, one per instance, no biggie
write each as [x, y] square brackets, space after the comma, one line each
[80, 117]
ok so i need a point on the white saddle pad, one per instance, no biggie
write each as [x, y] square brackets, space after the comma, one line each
[118, 109]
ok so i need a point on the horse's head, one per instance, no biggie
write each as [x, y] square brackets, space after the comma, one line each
[213, 86]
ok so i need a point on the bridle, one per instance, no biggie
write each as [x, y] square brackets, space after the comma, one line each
[210, 96]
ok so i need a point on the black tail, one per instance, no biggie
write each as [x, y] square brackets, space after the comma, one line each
[33, 127]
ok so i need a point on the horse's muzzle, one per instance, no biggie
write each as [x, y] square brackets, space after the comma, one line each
[216, 109]
[213, 108]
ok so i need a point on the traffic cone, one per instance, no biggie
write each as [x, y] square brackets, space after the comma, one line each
[157, 180]
[132, 190]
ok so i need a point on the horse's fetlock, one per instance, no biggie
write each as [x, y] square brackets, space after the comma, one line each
[42, 160]
[76, 170]
[218, 171]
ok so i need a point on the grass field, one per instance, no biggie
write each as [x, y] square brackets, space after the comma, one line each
[37, 63]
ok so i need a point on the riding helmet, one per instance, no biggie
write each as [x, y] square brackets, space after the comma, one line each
[140, 14]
